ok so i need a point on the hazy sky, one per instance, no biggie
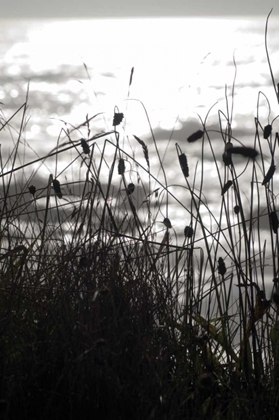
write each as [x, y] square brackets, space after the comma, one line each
[134, 8]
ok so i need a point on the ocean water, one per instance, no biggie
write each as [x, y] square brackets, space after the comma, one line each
[182, 67]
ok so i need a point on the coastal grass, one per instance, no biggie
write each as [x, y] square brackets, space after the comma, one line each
[110, 310]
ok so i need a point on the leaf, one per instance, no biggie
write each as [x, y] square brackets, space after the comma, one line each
[217, 336]
[245, 356]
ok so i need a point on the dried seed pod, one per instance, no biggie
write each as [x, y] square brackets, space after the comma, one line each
[221, 267]
[274, 221]
[167, 222]
[195, 136]
[225, 188]
[188, 232]
[184, 164]
[56, 187]
[248, 152]
[269, 174]
[85, 147]
[117, 119]
[236, 209]
[267, 131]
[121, 166]
[32, 190]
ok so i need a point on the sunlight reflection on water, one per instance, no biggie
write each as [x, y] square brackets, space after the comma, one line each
[181, 65]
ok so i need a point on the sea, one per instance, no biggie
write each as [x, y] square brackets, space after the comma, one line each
[165, 75]
[181, 68]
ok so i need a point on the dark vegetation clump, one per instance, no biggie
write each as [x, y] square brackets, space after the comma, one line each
[123, 296]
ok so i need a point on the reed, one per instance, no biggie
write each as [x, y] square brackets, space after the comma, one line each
[108, 308]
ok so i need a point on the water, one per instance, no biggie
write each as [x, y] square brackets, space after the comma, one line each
[181, 67]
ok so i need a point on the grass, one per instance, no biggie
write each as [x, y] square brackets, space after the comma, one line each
[107, 309]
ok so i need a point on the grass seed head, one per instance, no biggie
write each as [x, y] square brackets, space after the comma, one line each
[269, 174]
[221, 267]
[131, 76]
[117, 119]
[56, 187]
[32, 189]
[248, 152]
[195, 136]
[130, 188]
[188, 232]
[274, 221]
[236, 209]
[167, 222]
[184, 164]
[267, 131]
[225, 188]
[121, 166]
[144, 148]
[85, 147]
